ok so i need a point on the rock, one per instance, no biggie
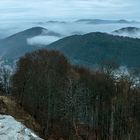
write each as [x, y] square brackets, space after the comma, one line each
[10, 129]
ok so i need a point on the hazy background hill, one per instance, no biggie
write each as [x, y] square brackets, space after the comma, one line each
[89, 49]
[68, 27]
[94, 48]
[133, 32]
[20, 43]
[16, 45]
[101, 21]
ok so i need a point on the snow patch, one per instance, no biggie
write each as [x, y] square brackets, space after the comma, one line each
[10, 129]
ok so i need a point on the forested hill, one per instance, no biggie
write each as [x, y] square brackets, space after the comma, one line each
[74, 103]
[90, 49]
[94, 48]
[16, 45]
[130, 30]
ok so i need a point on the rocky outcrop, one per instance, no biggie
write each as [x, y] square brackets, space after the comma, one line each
[15, 121]
[10, 129]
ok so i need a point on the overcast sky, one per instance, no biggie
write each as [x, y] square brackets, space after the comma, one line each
[13, 10]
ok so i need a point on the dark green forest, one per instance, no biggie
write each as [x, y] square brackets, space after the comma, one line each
[93, 48]
[74, 103]
[89, 50]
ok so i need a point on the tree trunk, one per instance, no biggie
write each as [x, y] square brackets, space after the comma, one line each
[111, 130]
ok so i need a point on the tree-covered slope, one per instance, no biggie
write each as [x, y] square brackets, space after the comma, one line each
[95, 48]
[16, 45]
[130, 30]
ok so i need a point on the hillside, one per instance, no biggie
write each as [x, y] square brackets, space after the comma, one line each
[101, 21]
[9, 108]
[15, 46]
[94, 48]
[75, 103]
[90, 49]
[128, 29]
[10, 129]
[133, 32]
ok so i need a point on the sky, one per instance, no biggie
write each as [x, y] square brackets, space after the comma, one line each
[30, 10]
[18, 15]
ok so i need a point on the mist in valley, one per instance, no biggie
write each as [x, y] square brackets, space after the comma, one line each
[66, 28]
[69, 69]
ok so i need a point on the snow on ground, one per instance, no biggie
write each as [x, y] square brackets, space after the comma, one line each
[124, 72]
[121, 71]
[10, 129]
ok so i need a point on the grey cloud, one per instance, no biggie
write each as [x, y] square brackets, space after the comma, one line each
[68, 9]
[16, 15]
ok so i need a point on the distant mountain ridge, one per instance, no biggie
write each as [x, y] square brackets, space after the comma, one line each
[93, 48]
[132, 32]
[16, 45]
[89, 49]
[100, 21]
[128, 30]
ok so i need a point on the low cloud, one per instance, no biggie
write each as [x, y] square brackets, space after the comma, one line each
[67, 9]
[127, 32]
[53, 32]
[17, 15]
[134, 35]
[42, 40]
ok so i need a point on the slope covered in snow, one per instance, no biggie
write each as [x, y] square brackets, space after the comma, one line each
[10, 129]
